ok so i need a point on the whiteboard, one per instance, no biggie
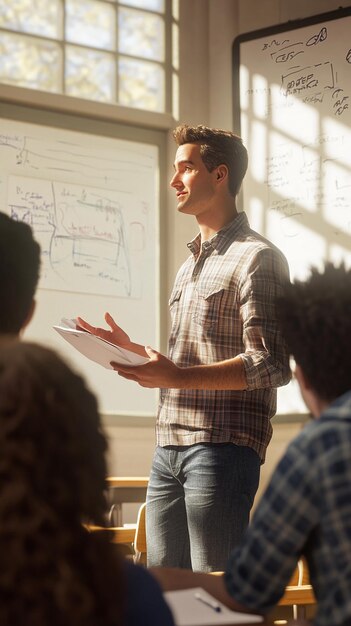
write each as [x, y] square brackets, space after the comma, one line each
[292, 91]
[93, 204]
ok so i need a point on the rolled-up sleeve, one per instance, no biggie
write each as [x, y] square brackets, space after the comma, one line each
[265, 358]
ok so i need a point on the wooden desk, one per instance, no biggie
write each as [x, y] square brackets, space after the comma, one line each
[124, 489]
[264, 622]
[118, 534]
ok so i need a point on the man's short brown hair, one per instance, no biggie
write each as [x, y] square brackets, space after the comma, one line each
[217, 147]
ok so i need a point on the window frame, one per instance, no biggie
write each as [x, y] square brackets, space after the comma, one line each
[23, 94]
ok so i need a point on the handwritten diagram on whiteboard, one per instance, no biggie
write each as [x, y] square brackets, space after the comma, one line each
[93, 204]
[295, 119]
[293, 84]
[90, 209]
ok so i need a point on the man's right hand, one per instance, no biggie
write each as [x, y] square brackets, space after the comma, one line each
[116, 335]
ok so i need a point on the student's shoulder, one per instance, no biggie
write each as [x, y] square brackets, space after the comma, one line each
[145, 602]
[326, 434]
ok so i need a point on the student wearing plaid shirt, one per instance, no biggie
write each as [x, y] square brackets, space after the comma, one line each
[226, 358]
[306, 509]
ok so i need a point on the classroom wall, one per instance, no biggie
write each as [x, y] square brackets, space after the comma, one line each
[207, 31]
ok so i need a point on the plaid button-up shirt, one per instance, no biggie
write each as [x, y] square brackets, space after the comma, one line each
[222, 306]
[306, 510]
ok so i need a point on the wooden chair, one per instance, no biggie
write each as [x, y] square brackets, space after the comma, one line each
[118, 534]
[299, 593]
[121, 535]
[132, 536]
[139, 543]
[122, 489]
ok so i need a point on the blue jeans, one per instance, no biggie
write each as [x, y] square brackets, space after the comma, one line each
[198, 504]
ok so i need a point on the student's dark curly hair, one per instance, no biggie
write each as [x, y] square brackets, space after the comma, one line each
[315, 317]
[217, 147]
[53, 572]
[19, 273]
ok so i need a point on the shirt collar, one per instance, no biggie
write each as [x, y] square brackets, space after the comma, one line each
[340, 408]
[220, 240]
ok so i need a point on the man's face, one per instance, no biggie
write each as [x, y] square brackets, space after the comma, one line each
[194, 184]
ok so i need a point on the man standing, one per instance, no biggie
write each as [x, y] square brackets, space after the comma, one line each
[226, 359]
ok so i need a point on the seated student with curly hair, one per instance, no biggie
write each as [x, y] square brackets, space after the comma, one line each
[53, 571]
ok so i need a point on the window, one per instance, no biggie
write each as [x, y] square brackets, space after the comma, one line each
[103, 50]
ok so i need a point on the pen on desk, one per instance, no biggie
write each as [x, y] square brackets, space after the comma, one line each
[210, 603]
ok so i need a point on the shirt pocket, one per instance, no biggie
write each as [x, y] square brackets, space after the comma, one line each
[173, 301]
[174, 304]
[208, 303]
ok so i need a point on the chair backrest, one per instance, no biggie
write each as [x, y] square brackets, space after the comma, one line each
[139, 544]
[301, 574]
[299, 593]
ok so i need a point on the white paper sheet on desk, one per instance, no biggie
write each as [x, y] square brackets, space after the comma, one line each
[189, 611]
[96, 349]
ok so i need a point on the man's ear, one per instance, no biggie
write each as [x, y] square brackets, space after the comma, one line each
[29, 315]
[222, 172]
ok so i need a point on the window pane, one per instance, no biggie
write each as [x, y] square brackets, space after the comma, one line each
[44, 18]
[29, 62]
[141, 85]
[175, 46]
[175, 9]
[91, 23]
[175, 96]
[152, 5]
[141, 34]
[90, 74]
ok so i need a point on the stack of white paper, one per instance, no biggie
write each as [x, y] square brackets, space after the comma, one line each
[196, 607]
[96, 349]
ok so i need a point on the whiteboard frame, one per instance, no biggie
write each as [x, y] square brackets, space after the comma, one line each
[115, 130]
[243, 38]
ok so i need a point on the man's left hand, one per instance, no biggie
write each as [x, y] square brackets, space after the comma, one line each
[159, 371]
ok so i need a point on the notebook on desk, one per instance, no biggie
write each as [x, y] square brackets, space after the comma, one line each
[196, 607]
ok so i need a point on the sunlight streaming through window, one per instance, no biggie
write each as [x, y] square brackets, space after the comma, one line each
[30, 62]
[102, 50]
[45, 20]
[90, 23]
[90, 74]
